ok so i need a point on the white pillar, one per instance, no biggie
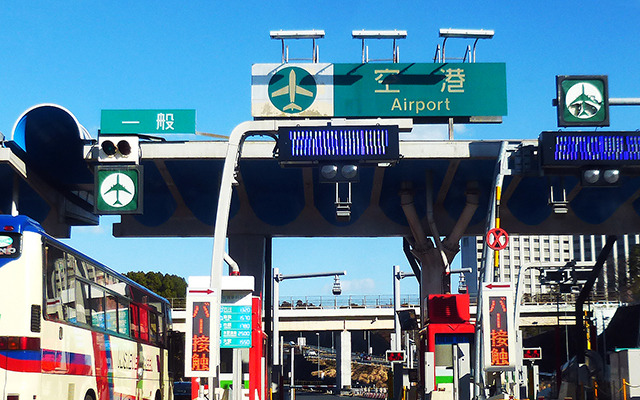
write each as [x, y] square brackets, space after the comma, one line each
[396, 344]
[276, 317]
[343, 363]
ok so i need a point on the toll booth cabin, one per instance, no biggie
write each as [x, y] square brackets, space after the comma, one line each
[449, 344]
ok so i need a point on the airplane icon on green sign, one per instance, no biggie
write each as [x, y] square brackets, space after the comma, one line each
[117, 187]
[292, 89]
[584, 106]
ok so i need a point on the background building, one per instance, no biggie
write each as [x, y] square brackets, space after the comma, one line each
[553, 250]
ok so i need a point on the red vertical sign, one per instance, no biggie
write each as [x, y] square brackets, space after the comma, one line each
[498, 327]
[200, 339]
[499, 335]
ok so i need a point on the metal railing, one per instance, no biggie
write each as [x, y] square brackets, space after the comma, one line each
[329, 302]
[412, 300]
[346, 301]
[179, 303]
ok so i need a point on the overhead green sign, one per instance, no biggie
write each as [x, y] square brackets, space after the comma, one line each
[414, 90]
[147, 121]
[419, 90]
[583, 100]
[118, 189]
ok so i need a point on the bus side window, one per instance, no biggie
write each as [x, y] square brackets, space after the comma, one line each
[111, 313]
[135, 321]
[161, 329]
[81, 269]
[55, 282]
[68, 292]
[98, 276]
[82, 303]
[97, 307]
[144, 324]
[123, 317]
[153, 327]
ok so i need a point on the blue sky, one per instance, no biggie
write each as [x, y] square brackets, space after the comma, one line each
[91, 55]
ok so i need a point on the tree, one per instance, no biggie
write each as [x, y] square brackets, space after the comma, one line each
[633, 282]
[166, 285]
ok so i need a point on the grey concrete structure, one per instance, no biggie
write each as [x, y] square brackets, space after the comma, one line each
[343, 362]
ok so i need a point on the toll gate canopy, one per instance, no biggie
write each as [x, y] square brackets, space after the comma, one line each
[47, 173]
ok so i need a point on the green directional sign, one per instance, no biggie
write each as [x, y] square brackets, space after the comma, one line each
[387, 90]
[118, 189]
[161, 121]
[420, 90]
[583, 100]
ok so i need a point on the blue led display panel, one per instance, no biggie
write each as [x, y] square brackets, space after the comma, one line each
[571, 149]
[335, 143]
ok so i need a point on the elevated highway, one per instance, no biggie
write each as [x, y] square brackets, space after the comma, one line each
[375, 313]
[182, 183]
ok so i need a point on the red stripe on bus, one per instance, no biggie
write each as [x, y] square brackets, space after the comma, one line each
[66, 363]
[49, 361]
[19, 365]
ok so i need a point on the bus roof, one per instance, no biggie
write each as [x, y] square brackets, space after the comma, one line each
[19, 224]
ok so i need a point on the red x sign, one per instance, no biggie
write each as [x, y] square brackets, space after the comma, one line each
[497, 238]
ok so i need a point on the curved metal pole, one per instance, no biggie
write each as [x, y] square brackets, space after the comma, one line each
[222, 223]
[483, 277]
[474, 49]
[444, 42]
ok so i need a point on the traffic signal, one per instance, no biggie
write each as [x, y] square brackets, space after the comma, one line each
[552, 276]
[122, 149]
[337, 289]
[597, 158]
[395, 356]
[339, 172]
[600, 177]
[534, 353]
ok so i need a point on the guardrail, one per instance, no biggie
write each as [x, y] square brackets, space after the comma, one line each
[411, 300]
[346, 301]
[330, 302]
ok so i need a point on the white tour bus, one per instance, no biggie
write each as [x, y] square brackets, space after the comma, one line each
[71, 328]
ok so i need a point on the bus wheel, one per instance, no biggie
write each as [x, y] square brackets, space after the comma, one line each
[89, 396]
[158, 395]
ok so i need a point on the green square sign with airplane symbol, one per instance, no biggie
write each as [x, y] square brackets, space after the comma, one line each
[583, 100]
[118, 189]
